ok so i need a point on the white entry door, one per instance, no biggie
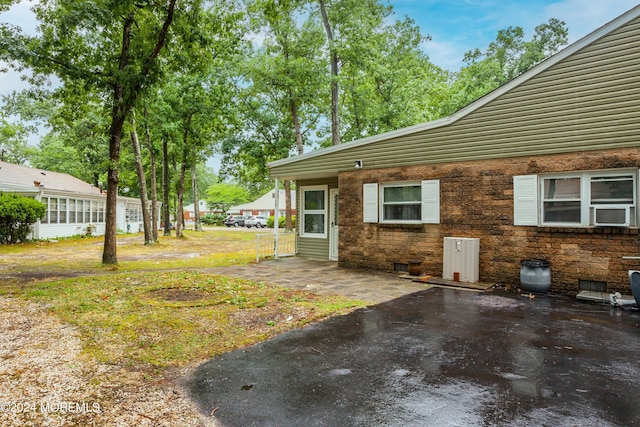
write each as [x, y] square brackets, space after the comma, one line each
[333, 231]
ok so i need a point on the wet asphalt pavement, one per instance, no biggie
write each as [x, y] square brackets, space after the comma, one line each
[440, 357]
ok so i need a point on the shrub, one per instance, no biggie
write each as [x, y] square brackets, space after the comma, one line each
[212, 219]
[17, 214]
[281, 221]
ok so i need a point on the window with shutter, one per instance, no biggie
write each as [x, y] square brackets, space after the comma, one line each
[402, 202]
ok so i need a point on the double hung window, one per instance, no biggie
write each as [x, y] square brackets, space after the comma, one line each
[314, 212]
[583, 199]
[562, 201]
[402, 202]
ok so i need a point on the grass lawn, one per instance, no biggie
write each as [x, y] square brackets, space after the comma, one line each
[158, 308]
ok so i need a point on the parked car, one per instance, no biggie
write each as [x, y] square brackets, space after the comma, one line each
[235, 221]
[257, 221]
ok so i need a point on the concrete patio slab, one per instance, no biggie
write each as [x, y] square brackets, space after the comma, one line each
[325, 277]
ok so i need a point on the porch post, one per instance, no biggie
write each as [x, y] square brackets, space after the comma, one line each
[276, 216]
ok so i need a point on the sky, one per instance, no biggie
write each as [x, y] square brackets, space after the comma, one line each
[455, 26]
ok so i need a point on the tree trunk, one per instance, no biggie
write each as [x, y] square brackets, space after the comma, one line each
[183, 172]
[296, 126]
[166, 217]
[142, 183]
[109, 255]
[179, 207]
[287, 184]
[154, 186]
[122, 104]
[196, 202]
[335, 89]
[288, 223]
[118, 116]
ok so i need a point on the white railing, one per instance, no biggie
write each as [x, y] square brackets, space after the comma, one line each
[266, 243]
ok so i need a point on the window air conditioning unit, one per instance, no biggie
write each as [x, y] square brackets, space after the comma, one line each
[611, 216]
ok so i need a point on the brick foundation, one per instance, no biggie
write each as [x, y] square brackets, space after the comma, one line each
[476, 200]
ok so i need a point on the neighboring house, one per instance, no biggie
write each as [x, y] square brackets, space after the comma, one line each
[265, 205]
[73, 206]
[203, 208]
[547, 166]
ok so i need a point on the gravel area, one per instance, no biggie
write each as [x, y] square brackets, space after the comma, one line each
[45, 380]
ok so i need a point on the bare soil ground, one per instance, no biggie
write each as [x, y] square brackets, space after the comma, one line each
[45, 377]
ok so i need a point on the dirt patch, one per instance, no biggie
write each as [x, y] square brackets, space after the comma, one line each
[179, 294]
[36, 276]
[261, 320]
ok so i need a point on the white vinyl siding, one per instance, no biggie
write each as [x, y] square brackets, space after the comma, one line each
[402, 203]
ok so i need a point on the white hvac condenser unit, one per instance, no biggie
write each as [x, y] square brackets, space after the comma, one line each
[461, 259]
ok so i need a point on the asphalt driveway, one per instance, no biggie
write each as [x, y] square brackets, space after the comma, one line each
[440, 357]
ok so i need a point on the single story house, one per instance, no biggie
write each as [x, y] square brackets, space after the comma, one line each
[265, 205]
[203, 208]
[546, 167]
[73, 206]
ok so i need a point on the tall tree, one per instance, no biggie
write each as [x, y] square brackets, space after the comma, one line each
[13, 142]
[142, 183]
[199, 92]
[287, 72]
[334, 67]
[106, 48]
[395, 85]
[508, 56]
[153, 179]
[223, 195]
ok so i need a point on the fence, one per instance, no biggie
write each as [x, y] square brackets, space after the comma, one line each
[265, 245]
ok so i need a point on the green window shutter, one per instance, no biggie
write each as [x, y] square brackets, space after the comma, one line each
[525, 200]
[370, 202]
[431, 201]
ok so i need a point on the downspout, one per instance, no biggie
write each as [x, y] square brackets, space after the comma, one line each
[276, 216]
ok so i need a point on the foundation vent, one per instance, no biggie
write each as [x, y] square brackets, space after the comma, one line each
[592, 285]
[399, 266]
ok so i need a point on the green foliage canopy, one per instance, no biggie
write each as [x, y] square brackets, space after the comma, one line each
[508, 56]
[223, 195]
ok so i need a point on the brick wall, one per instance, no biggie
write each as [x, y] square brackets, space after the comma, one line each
[476, 200]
